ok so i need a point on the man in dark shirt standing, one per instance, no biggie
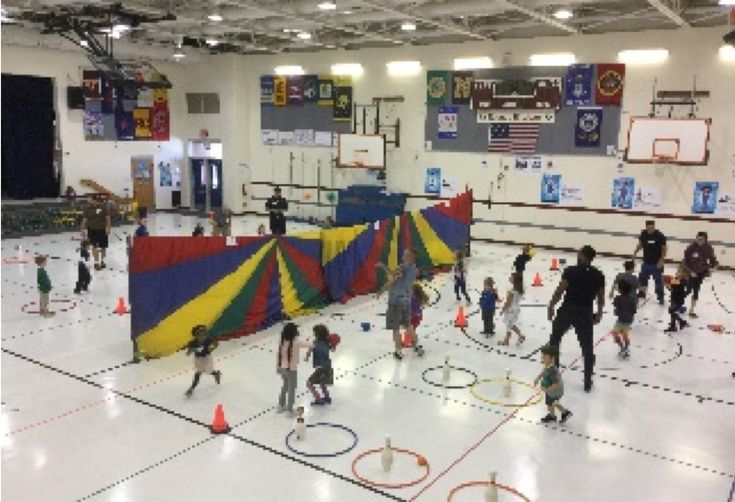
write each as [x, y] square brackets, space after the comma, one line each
[276, 205]
[653, 244]
[580, 285]
[699, 258]
[96, 223]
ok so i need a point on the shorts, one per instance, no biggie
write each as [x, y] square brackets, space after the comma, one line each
[551, 400]
[416, 320]
[204, 364]
[98, 238]
[510, 319]
[323, 375]
[621, 327]
[398, 316]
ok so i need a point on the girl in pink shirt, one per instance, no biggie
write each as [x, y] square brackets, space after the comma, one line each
[287, 365]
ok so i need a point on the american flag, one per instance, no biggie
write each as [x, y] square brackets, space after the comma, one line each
[512, 138]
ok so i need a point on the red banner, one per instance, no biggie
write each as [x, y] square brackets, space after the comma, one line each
[160, 124]
[609, 84]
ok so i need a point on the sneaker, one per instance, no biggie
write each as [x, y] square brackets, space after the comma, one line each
[626, 353]
[398, 355]
[97, 266]
[318, 402]
[218, 377]
[641, 294]
[419, 350]
[621, 354]
[660, 300]
[671, 329]
[683, 324]
[587, 385]
[565, 415]
[548, 418]
[103, 265]
[280, 409]
[327, 400]
[77, 292]
[189, 392]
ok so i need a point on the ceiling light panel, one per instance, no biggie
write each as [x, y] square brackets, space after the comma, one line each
[327, 6]
[408, 27]
[289, 70]
[354, 69]
[472, 63]
[643, 56]
[553, 59]
[403, 68]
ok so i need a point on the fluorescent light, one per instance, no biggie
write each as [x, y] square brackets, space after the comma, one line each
[289, 70]
[403, 68]
[354, 69]
[408, 27]
[472, 63]
[643, 56]
[304, 35]
[727, 2]
[327, 6]
[215, 17]
[212, 42]
[84, 43]
[121, 27]
[727, 53]
[347, 12]
[553, 59]
[563, 14]
[179, 55]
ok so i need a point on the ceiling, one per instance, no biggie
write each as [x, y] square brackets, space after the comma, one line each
[272, 26]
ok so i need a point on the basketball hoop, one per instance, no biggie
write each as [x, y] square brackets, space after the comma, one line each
[359, 163]
[662, 159]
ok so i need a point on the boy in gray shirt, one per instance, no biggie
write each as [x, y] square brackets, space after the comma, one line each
[626, 304]
[627, 276]
[552, 384]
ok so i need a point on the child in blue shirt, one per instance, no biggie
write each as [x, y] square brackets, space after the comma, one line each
[488, 299]
[323, 374]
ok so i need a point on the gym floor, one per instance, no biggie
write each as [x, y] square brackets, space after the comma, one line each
[80, 422]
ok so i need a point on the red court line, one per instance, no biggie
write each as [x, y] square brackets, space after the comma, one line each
[492, 431]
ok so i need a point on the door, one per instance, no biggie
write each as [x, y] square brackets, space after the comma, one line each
[200, 182]
[199, 175]
[142, 175]
[216, 193]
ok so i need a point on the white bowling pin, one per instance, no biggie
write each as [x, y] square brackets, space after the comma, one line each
[506, 384]
[386, 458]
[445, 370]
[491, 494]
[300, 426]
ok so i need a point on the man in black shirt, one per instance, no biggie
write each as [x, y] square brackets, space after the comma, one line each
[580, 284]
[653, 244]
[276, 205]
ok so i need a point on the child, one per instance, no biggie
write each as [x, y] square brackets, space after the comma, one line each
[203, 360]
[142, 230]
[488, 300]
[44, 287]
[323, 374]
[198, 231]
[552, 384]
[419, 299]
[679, 287]
[512, 309]
[287, 366]
[261, 229]
[626, 276]
[460, 282]
[625, 307]
[83, 275]
[520, 262]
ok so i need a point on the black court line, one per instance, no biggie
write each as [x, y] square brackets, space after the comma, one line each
[720, 302]
[561, 428]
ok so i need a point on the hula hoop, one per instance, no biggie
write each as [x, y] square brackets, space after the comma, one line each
[72, 305]
[441, 385]
[323, 455]
[529, 402]
[15, 261]
[390, 486]
[505, 488]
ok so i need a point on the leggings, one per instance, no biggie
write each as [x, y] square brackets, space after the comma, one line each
[288, 387]
[460, 286]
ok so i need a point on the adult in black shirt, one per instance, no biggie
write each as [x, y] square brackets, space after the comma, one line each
[653, 244]
[276, 205]
[580, 284]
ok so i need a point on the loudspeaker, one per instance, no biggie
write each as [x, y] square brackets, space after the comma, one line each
[75, 98]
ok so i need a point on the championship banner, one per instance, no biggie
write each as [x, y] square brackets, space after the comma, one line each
[266, 90]
[462, 87]
[507, 116]
[280, 91]
[91, 83]
[326, 91]
[108, 95]
[436, 87]
[609, 84]
[587, 128]
[447, 122]
[160, 124]
[531, 94]
[295, 90]
[311, 88]
[342, 110]
[579, 85]
[145, 98]
[124, 124]
[142, 119]
[160, 99]
[93, 125]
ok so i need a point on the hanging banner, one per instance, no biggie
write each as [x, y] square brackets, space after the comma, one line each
[145, 98]
[326, 91]
[160, 99]
[462, 87]
[587, 128]
[510, 116]
[160, 124]
[436, 87]
[579, 85]
[609, 84]
[623, 192]
[433, 182]
[551, 188]
[705, 197]
[280, 91]
[342, 111]
[107, 91]
[142, 119]
[124, 124]
[295, 90]
[91, 83]
[311, 88]
[93, 125]
[447, 122]
[266, 90]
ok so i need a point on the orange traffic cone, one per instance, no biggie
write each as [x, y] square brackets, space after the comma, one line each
[219, 424]
[554, 264]
[537, 281]
[121, 308]
[461, 321]
[406, 340]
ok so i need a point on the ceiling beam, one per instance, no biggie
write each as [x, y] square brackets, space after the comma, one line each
[668, 12]
[539, 16]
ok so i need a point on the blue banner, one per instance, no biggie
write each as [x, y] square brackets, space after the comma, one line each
[551, 188]
[433, 180]
[579, 85]
[311, 88]
[266, 90]
[622, 194]
[705, 197]
[588, 127]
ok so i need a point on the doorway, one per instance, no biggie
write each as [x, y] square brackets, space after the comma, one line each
[207, 172]
[141, 171]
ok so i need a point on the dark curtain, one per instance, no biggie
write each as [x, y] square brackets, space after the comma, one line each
[28, 138]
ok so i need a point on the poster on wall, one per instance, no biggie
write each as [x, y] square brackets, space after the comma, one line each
[705, 197]
[165, 177]
[142, 167]
[322, 138]
[551, 188]
[572, 194]
[609, 85]
[462, 87]
[622, 193]
[266, 90]
[303, 137]
[579, 85]
[433, 180]
[295, 90]
[588, 127]
[447, 122]
[269, 136]
[176, 178]
[648, 198]
[528, 164]
[726, 204]
[285, 137]
[311, 88]
[450, 187]
[326, 91]
[93, 125]
[436, 87]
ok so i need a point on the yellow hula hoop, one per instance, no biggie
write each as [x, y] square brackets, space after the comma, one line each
[535, 399]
